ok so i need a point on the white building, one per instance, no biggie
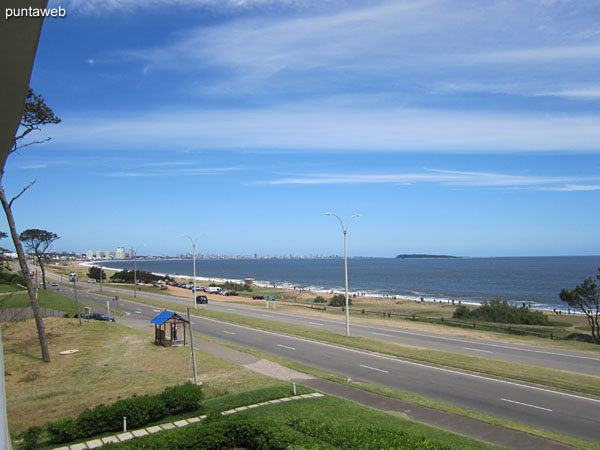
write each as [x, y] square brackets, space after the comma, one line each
[99, 254]
[89, 254]
[120, 253]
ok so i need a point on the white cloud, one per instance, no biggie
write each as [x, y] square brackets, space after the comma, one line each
[315, 129]
[445, 177]
[573, 187]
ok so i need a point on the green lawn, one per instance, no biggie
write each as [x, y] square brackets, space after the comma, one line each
[46, 299]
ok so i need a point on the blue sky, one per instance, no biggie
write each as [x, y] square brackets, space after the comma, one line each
[462, 127]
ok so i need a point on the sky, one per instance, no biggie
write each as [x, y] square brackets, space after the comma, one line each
[464, 127]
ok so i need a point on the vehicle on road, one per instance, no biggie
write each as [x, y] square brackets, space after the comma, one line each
[201, 299]
[54, 284]
[213, 290]
[258, 297]
[92, 280]
[232, 293]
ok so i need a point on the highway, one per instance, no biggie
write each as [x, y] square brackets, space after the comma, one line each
[572, 361]
[575, 415]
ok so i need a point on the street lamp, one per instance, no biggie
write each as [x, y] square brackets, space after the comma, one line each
[193, 241]
[345, 231]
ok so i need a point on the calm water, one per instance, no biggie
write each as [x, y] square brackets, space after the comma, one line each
[536, 280]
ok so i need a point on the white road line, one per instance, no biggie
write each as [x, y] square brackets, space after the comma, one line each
[230, 309]
[381, 334]
[285, 346]
[228, 332]
[138, 312]
[156, 310]
[411, 363]
[477, 350]
[265, 315]
[316, 323]
[374, 368]
[525, 404]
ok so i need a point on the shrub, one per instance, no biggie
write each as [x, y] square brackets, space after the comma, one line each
[339, 300]
[183, 398]
[30, 438]
[138, 411]
[501, 312]
[319, 299]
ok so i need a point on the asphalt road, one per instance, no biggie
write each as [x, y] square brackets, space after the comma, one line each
[544, 357]
[570, 414]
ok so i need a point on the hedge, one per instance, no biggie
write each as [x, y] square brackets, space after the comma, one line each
[138, 410]
[255, 433]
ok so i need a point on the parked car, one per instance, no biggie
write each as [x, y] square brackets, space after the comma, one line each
[201, 299]
[54, 284]
[232, 293]
[258, 297]
[99, 316]
[92, 280]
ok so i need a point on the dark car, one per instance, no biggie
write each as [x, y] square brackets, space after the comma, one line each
[232, 293]
[99, 316]
[201, 299]
[258, 297]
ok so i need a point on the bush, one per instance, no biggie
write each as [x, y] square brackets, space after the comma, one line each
[319, 299]
[138, 410]
[229, 286]
[501, 312]
[30, 438]
[339, 300]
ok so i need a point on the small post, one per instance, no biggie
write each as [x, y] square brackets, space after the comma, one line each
[108, 307]
[124, 424]
[267, 302]
[77, 301]
[192, 345]
[294, 384]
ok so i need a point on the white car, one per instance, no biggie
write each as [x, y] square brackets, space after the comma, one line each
[92, 280]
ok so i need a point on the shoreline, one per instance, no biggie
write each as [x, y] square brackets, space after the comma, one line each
[354, 294]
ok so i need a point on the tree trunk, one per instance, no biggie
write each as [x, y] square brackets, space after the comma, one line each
[41, 264]
[25, 270]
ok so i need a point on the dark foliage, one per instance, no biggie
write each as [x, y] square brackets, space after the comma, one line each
[501, 312]
[96, 272]
[127, 276]
[340, 300]
[138, 410]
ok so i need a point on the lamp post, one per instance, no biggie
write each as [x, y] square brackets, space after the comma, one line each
[193, 241]
[135, 273]
[345, 231]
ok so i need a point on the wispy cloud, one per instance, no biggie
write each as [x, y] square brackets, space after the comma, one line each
[448, 178]
[169, 172]
[337, 129]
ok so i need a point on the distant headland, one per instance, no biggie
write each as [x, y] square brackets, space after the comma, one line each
[418, 255]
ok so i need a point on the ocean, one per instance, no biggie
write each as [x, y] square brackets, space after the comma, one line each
[534, 280]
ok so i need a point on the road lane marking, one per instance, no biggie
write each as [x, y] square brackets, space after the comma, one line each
[374, 368]
[477, 350]
[400, 361]
[230, 309]
[525, 404]
[265, 315]
[316, 323]
[156, 310]
[228, 332]
[381, 334]
[138, 312]
[285, 346]
[445, 338]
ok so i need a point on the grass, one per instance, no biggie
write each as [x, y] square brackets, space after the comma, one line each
[423, 401]
[113, 362]
[558, 379]
[46, 299]
[328, 408]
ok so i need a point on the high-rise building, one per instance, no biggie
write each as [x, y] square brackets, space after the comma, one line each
[130, 253]
[110, 254]
[89, 254]
[99, 254]
[120, 253]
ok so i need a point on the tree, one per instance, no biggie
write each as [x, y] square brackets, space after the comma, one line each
[35, 114]
[586, 298]
[94, 272]
[39, 242]
[339, 300]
